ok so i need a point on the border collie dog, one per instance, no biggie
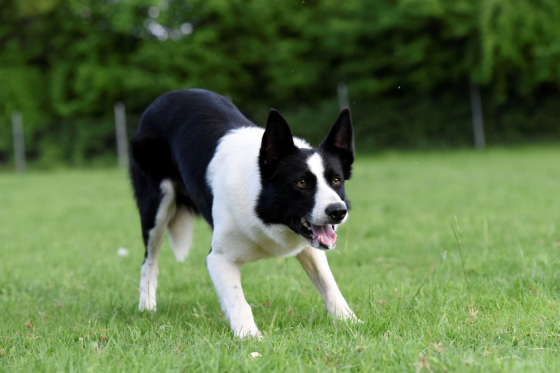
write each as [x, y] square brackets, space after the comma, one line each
[264, 192]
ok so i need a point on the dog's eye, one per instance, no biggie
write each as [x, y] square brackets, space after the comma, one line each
[302, 183]
[336, 181]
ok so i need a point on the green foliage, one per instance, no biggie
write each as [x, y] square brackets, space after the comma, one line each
[408, 65]
[397, 264]
[520, 44]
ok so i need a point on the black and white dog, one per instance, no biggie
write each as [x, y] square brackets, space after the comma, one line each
[264, 193]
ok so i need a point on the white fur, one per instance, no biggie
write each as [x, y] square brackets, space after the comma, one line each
[240, 236]
[180, 230]
[227, 280]
[149, 272]
[234, 178]
[325, 194]
[315, 264]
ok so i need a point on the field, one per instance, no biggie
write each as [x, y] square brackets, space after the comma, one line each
[451, 259]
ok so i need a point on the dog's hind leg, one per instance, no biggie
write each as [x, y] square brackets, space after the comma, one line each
[154, 222]
[180, 230]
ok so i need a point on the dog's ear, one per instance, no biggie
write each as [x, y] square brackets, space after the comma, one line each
[340, 142]
[277, 142]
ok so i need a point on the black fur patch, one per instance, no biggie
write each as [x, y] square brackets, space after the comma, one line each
[281, 200]
[176, 139]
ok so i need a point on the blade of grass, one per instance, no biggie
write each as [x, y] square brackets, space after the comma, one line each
[458, 238]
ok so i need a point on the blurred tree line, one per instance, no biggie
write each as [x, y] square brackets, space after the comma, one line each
[408, 65]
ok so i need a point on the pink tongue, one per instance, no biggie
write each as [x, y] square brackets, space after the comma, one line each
[325, 233]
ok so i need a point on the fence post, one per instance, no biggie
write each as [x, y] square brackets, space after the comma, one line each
[343, 101]
[19, 141]
[122, 138]
[477, 120]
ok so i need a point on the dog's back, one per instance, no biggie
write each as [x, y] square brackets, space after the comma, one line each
[181, 129]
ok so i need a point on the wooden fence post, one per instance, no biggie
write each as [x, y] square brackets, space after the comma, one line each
[477, 119]
[122, 138]
[19, 141]
[343, 101]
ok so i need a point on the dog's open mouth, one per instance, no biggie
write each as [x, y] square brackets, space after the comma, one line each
[321, 236]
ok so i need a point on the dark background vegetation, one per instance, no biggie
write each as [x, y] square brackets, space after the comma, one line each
[408, 65]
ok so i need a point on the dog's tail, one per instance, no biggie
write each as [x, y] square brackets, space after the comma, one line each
[151, 158]
[180, 229]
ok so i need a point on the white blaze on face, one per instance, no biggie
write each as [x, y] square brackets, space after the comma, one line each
[325, 195]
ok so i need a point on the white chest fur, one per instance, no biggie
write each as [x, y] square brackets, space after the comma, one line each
[233, 176]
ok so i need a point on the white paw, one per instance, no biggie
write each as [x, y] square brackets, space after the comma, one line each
[351, 320]
[147, 303]
[348, 316]
[249, 333]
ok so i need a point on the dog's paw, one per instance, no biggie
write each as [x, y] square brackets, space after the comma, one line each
[147, 303]
[355, 320]
[348, 316]
[351, 320]
[249, 333]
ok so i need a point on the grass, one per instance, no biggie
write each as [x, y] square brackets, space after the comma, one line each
[451, 259]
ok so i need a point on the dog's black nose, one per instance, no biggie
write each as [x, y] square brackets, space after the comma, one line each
[337, 211]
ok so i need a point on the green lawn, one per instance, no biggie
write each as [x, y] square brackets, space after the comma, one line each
[69, 303]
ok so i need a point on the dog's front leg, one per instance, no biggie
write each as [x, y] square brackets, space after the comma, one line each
[226, 276]
[314, 262]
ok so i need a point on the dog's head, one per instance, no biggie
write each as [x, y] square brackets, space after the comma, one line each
[303, 188]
